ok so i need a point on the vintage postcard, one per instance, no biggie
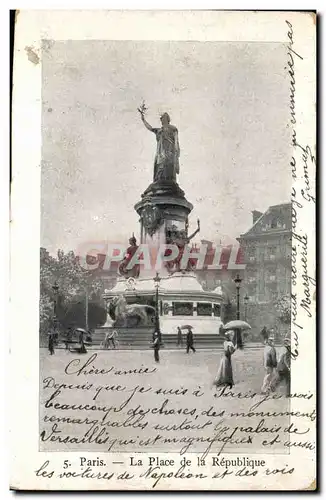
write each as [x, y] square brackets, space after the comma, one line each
[163, 251]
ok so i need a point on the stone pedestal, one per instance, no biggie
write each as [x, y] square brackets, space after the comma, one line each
[162, 207]
[182, 301]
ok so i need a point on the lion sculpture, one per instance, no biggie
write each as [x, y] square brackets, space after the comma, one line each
[125, 314]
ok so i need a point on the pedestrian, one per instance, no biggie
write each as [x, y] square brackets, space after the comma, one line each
[110, 339]
[69, 337]
[190, 340]
[113, 338]
[270, 363]
[224, 375]
[272, 334]
[156, 346]
[83, 349]
[51, 342]
[106, 340]
[179, 342]
[283, 369]
[264, 334]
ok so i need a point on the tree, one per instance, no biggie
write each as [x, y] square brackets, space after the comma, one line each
[75, 313]
[283, 309]
[73, 283]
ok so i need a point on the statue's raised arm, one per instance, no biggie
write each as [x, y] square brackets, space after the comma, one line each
[195, 232]
[142, 110]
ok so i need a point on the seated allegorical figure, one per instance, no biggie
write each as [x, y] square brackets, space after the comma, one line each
[134, 271]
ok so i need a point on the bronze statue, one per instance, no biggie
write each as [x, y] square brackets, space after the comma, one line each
[131, 250]
[180, 238]
[166, 165]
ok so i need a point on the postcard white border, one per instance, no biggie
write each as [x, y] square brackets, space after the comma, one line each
[32, 26]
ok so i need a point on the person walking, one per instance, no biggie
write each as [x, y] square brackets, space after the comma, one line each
[156, 346]
[51, 342]
[82, 349]
[190, 340]
[270, 363]
[179, 341]
[224, 375]
[283, 369]
[111, 339]
[69, 337]
[115, 339]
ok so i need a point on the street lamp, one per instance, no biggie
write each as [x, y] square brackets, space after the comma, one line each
[55, 289]
[237, 280]
[86, 308]
[246, 300]
[157, 280]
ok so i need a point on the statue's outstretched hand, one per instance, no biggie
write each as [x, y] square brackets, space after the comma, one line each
[141, 113]
[142, 109]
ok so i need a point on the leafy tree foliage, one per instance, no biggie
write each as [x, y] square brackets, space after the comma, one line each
[73, 283]
[283, 309]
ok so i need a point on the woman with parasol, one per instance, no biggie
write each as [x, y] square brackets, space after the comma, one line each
[224, 375]
[237, 326]
[81, 334]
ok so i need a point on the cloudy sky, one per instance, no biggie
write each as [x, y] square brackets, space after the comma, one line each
[228, 100]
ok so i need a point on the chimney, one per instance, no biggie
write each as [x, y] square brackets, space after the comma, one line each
[255, 216]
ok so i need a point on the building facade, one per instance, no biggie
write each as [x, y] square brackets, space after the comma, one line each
[266, 249]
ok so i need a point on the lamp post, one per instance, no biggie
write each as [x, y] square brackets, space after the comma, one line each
[157, 280]
[237, 281]
[86, 308]
[245, 300]
[55, 289]
[238, 336]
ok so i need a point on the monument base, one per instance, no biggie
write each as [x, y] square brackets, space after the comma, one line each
[182, 301]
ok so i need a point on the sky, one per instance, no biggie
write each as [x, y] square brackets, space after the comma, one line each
[229, 101]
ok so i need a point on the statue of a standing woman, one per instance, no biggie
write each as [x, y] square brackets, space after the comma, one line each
[166, 166]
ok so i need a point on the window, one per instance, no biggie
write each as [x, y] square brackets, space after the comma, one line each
[252, 291]
[274, 223]
[183, 309]
[252, 278]
[204, 309]
[251, 253]
[271, 252]
[166, 308]
[217, 310]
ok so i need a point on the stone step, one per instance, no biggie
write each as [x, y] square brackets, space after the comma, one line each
[141, 338]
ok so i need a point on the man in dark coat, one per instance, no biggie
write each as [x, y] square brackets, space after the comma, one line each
[190, 340]
[51, 342]
[82, 349]
[179, 342]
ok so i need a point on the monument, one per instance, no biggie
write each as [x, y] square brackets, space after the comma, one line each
[176, 295]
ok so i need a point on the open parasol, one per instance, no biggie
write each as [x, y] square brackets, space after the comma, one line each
[237, 324]
[81, 330]
[185, 327]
